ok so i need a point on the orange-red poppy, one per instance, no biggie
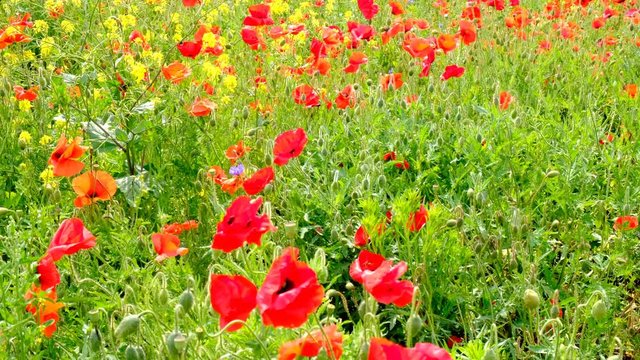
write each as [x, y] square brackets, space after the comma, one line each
[26, 94]
[447, 42]
[632, 90]
[505, 100]
[201, 107]
[44, 307]
[176, 72]
[236, 151]
[64, 158]
[310, 345]
[391, 80]
[92, 186]
[167, 245]
[346, 98]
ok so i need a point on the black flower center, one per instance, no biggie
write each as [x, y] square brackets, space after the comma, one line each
[288, 285]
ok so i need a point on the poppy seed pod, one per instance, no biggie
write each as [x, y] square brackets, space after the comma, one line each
[176, 343]
[94, 316]
[186, 300]
[531, 299]
[127, 326]
[349, 286]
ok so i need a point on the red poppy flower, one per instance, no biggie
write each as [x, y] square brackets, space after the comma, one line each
[70, 238]
[236, 151]
[505, 100]
[64, 158]
[289, 145]
[632, 90]
[452, 71]
[241, 224]
[306, 95]
[359, 32]
[191, 3]
[178, 228]
[166, 246]
[383, 349]
[258, 16]
[93, 186]
[419, 47]
[355, 60]
[428, 351]
[391, 155]
[418, 219]
[332, 35]
[190, 49]
[258, 181]
[346, 98]
[366, 261]
[290, 292]
[49, 275]
[467, 32]
[311, 344]
[201, 107]
[252, 38]
[391, 80]
[233, 298]
[176, 72]
[22, 94]
[396, 8]
[228, 185]
[453, 340]
[384, 285]
[368, 8]
[623, 223]
[362, 237]
[45, 308]
[403, 165]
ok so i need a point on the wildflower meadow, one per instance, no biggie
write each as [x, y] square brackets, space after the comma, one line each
[324, 179]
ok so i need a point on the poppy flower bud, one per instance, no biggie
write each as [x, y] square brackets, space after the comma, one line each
[414, 324]
[134, 352]
[452, 223]
[200, 333]
[235, 123]
[362, 309]
[245, 112]
[186, 300]
[365, 183]
[471, 193]
[554, 312]
[94, 316]
[490, 354]
[129, 295]
[555, 224]
[163, 296]
[552, 173]
[4, 211]
[380, 103]
[127, 326]
[349, 229]
[599, 310]
[369, 82]
[382, 180]
[349, 286]
[291, 230]
[268, 159]
[94, 340]
[531, 299]
[252, 131]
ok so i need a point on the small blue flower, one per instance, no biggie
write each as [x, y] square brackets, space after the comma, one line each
[236, 170]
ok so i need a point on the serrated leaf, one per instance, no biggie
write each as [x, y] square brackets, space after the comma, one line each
[144, 108]
[100, 135]
[132, 187]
